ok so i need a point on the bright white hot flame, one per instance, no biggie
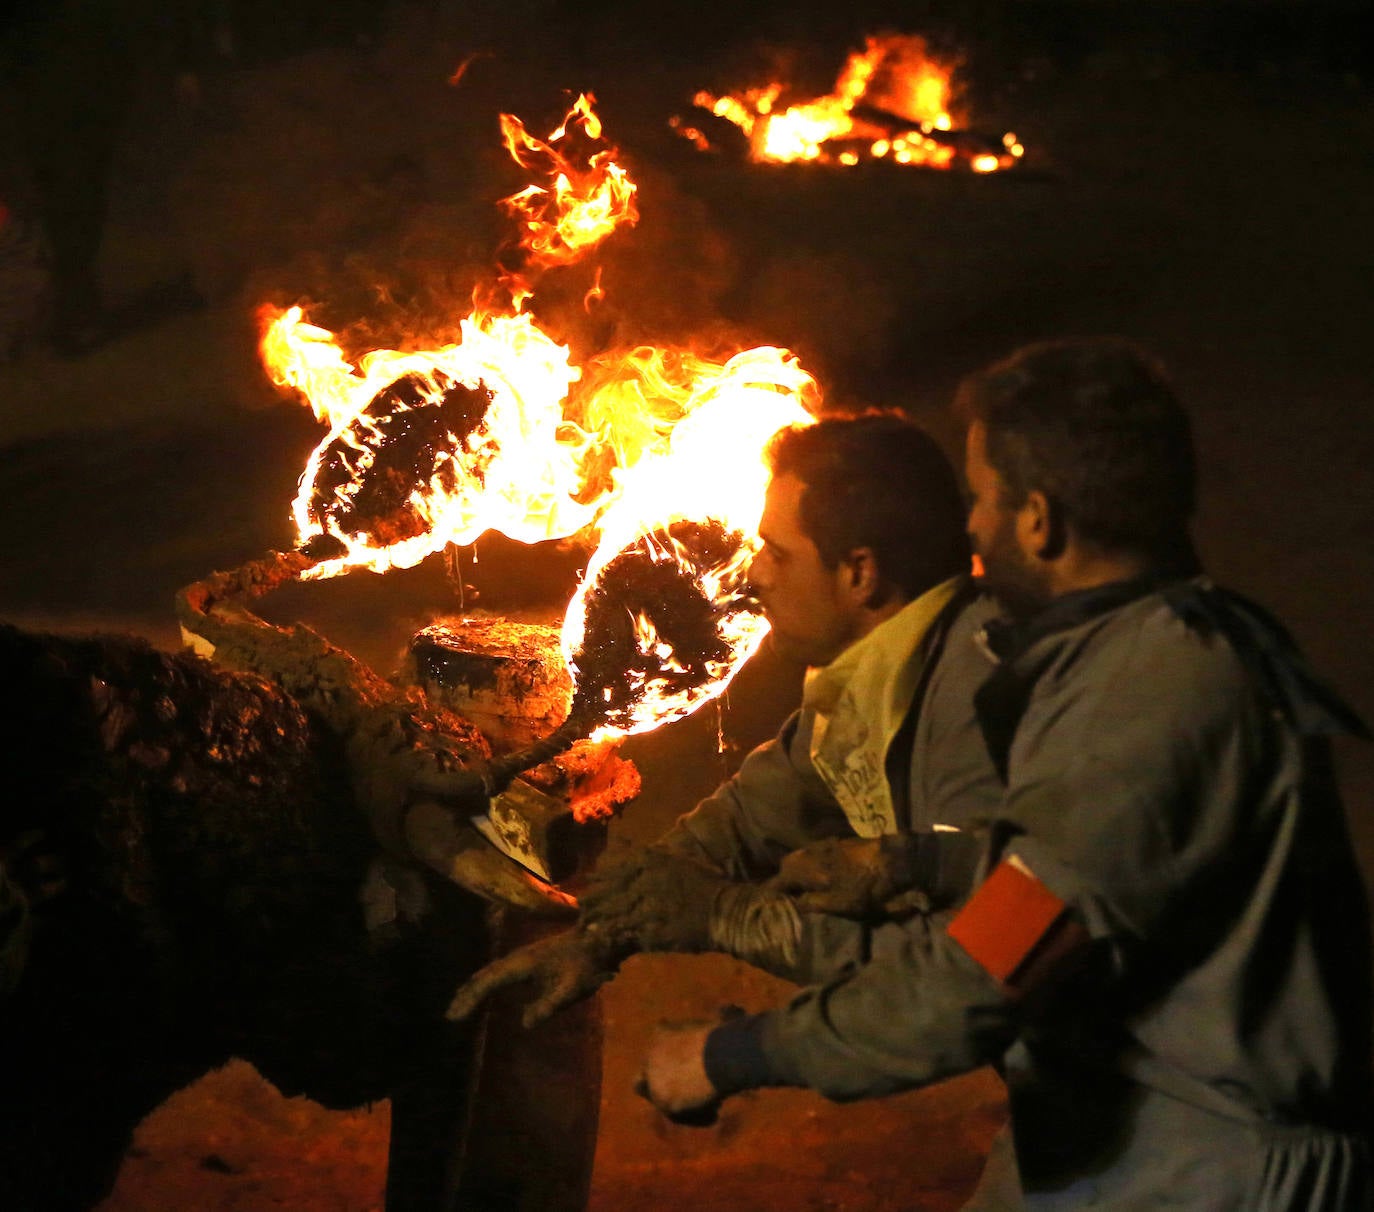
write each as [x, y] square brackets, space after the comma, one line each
[656, 448]
[515, 471]
[712, 471]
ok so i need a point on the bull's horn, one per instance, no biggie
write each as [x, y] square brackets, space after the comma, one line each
[460, 854]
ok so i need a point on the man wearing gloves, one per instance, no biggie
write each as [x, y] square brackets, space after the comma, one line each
[1167, 950]
[863, 574]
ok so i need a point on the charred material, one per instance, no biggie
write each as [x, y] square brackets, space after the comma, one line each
[651, 626]
[965, 145]
[927, 145]
[408, 436]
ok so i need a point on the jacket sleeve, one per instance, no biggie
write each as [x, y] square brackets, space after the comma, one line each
[1143, 800]
[920, 1010]
[775, 803]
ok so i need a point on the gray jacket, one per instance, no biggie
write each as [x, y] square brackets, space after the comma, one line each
[1166, 775]
[776, 803]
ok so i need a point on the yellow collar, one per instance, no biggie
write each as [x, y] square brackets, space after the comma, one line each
[859, 702]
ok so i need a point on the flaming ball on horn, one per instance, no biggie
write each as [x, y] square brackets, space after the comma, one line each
[412, 435]
[665, 623]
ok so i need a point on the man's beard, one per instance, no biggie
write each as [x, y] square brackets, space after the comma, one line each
[1012, 577]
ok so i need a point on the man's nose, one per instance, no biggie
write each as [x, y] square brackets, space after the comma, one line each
[755, 576]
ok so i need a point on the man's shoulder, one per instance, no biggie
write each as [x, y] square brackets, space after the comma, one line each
[958, 657]
[966, 618]
[1156, 656]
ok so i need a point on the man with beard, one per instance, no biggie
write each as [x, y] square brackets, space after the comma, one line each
[1167, 953]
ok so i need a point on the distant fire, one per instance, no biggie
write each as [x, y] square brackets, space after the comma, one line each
[892, 101]
[655, 453]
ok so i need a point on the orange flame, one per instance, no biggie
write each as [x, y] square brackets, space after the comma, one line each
[515, 471]
[456, 76]
[694, 434]
[581, 204]
[432, 447]
[893, 98]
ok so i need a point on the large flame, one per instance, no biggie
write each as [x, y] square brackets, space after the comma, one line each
[893, 99]
[512, 467]
[657, 453]
[677, 541]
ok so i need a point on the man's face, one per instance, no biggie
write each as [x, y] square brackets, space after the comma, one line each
[998, 533]
[813, 619]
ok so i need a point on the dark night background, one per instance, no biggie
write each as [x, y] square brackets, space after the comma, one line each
[1198, 177]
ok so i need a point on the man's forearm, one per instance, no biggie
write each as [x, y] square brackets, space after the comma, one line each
[844, 1039]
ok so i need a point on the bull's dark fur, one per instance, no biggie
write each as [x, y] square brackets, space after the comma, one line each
[192, 858]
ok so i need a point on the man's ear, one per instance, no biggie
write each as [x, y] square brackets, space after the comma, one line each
[864, 580]
[1041, 526]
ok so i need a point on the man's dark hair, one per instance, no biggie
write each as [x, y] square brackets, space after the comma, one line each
[1095, 425]
[877, 481]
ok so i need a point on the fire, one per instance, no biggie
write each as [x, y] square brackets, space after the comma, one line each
[676, 543]
[585, 197]
[512, 467]
[653, 453]
[893, 99]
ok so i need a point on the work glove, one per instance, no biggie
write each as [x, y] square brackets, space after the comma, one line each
[661, 901]
[657, 901]
[856, 877]
[564, 969]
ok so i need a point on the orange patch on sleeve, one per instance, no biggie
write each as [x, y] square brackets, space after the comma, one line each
[1006, 919]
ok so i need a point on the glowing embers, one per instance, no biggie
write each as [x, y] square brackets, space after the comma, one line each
[892, 101]
[666, 622]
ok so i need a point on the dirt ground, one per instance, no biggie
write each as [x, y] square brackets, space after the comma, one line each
[1216, 214]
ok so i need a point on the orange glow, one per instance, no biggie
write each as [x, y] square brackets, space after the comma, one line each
[690, 436]
[893, 96]
[456, 76]
[581, 202]
[595, 293]
[502, 432]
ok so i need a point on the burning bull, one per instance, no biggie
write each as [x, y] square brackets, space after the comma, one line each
[273, 856]
[270, 857]
[272, 862]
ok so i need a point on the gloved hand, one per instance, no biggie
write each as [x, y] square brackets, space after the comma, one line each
[657, 901]
[564, 969]
[854, 877]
